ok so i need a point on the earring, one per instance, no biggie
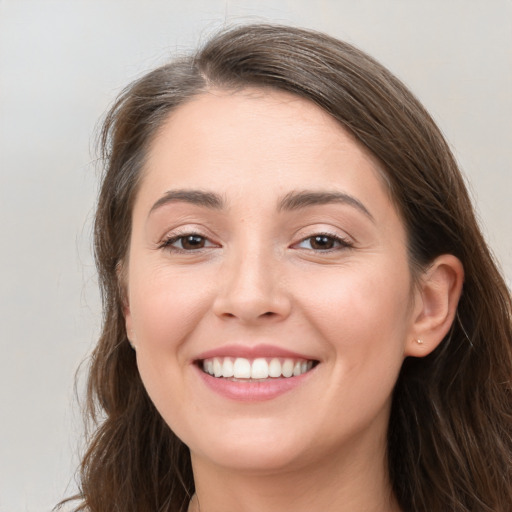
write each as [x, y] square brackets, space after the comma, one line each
[419, 342]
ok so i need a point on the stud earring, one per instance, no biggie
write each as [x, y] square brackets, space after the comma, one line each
[419, 342]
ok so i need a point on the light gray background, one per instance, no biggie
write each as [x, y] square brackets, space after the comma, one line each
[62, 63]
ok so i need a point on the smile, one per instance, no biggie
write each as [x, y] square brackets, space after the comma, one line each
[255, 369]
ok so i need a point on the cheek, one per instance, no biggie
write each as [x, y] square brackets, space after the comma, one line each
[363, 315]
[165, 307]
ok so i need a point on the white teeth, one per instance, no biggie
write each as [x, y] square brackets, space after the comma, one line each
[242, 368]
[274, 368]
[227, 367]
[287, 366]
[217, 367]
[259, 368]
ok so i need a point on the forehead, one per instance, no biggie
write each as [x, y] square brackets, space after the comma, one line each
[255, 132]
[252, 114]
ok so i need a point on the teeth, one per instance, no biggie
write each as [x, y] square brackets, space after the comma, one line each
[287, 368]
[259, 368]
[242, 368]
[227, 367]
[274, 368]
[217, 367]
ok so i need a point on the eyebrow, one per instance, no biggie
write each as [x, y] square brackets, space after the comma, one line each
[296, 200]
[197, 197]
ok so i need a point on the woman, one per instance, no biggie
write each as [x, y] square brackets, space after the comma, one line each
[300, 311]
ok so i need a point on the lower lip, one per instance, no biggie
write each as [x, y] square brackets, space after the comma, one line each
[253, 391]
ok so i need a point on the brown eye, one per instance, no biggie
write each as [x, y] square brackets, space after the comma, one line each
[191, 242]
[322, 242]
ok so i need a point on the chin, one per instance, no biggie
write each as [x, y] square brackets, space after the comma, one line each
[250, 457]
[250, 450]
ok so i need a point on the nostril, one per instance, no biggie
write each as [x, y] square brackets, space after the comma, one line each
[249, 307]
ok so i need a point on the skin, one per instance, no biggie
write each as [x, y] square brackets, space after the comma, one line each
[260, 279]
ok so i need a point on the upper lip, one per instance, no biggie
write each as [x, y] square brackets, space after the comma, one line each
[252, 352]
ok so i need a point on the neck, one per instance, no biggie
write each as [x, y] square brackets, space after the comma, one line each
[343, 483]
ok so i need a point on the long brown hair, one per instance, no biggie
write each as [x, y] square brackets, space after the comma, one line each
[450, 432]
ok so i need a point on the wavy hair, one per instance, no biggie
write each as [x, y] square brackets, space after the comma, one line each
[450, 432]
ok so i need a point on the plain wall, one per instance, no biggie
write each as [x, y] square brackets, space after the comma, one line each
[61, 65]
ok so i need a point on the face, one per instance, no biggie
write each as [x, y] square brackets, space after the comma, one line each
[268, 290]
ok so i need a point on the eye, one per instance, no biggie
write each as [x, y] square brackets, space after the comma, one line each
[323, 242]
[187, 242]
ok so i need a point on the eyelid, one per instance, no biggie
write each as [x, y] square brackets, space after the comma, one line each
[173, 236]
[343, 242]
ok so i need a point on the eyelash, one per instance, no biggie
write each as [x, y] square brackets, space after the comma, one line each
[339, 242]
[168, 242]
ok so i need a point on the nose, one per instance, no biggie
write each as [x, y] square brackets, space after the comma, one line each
[252, 289]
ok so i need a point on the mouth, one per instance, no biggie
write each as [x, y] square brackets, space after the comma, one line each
[260, 369]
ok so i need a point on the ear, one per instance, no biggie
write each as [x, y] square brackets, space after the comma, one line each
[435, 305]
